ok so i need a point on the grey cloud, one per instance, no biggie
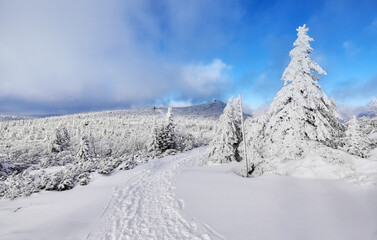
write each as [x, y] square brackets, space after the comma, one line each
[59, 55]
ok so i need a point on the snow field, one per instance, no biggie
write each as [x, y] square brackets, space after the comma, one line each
[277, 207]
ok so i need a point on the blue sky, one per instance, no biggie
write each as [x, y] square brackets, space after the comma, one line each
[72, 56]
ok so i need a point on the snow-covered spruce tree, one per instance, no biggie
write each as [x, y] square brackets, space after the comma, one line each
[60, 140]
[163, 137]
[301, 113]
[355, 142]
[170, 129]
[228, 136]
[155, 144]
[84, 150]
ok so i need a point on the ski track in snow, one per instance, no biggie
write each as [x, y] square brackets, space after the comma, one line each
[146, 208]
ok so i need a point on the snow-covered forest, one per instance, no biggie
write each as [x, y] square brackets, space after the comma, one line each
[57, 153]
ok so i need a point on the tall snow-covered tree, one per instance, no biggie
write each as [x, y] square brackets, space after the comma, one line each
[301, 112]
[229, 135]
[355, 142]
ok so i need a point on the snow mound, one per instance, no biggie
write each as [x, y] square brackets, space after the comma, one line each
[322, 162]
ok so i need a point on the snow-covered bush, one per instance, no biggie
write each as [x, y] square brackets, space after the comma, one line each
[107, 165]
[229, 135]
[60, 140]
[58, 159]
[185, 141]
[22, 185]
[355, 141]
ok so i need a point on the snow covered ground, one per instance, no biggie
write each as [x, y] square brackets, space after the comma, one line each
[134, 204]
[58, 215]
[277, 207]
[175, 198]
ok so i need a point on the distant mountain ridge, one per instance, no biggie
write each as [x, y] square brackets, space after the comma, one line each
[211, 110]
[370, 110]
[206, 110]
[10, 117]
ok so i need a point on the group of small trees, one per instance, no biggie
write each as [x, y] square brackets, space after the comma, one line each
[355, 141]
[61, 141]
[300, 117]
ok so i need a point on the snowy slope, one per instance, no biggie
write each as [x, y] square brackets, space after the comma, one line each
[175, 198]
[211, 110]
[277, 207]
[207, 110]
[135, 204]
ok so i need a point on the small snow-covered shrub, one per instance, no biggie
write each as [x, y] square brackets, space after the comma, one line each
[107, 165]
[185, 141]
[66, 185]
[57, 159]
[355, 141]
[127, 165]
[21, 185]
[84, 178]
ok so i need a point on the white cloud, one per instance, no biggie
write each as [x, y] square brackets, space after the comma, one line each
[262, 109]
[174, 103]
[206, 78]
[56, 51]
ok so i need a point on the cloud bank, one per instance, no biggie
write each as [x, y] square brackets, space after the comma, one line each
[64, 56]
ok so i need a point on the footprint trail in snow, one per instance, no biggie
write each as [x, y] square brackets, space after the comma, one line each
[146, 208]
